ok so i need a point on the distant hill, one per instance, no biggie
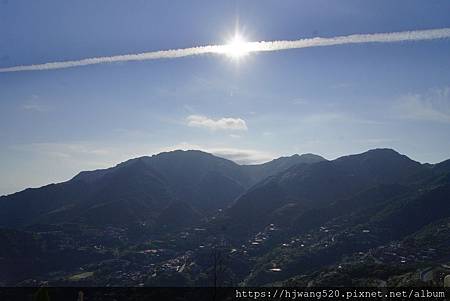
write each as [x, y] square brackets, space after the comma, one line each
[260, 172]
[306, 188]
[141, 190]
[346, 206]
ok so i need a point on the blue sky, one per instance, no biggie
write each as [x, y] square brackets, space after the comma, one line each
[331, 101]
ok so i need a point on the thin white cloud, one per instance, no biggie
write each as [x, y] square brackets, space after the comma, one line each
[93, 155]
[37, 164]
[370, 143]
[242, 156]
[299, 101]
[342, 85]
[34, 104]
[62, 150]
[432, 106]
[57, 162]
[322, 118]
[226, 123]
[337, 118]
[238, 155]
[261, 46]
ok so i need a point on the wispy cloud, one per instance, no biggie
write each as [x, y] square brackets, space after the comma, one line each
[342, 85]
[62, 150]
[327, 117]
[238, 155]
[242, 156]
[85, 154]
[322, 118]
[261, 46]
[375, 142]
[432, 106]
[35, 105]
[57, 162]
[226, 123]
[299, 101]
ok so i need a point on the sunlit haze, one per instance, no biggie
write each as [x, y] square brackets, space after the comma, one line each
[237, 47]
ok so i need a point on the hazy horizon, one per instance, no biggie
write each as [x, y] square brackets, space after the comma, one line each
[229, 156]
[291, 98]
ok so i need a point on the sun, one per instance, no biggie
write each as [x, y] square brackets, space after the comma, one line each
[237, 47]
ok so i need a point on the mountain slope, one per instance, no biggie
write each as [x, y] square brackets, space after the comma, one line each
[355, 231]
[260, 172]
[309, 186]
[139, 189]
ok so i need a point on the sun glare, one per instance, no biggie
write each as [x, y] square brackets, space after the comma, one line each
[237, 47]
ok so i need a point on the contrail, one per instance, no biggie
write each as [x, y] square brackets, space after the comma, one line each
[392, 37]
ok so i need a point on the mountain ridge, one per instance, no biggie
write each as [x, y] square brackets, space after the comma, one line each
[305, 187]
[146, 184]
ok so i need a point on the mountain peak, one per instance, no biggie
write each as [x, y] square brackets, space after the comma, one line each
[443, 166]
[378, 154]
[310, 157]
[183, 152]
[191, 154]
[383, 151]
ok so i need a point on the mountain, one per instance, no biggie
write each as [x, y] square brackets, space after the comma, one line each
[413, 212]
[412, 261]
[443, 167]
[180, 217]
[328, 211]
[370, 230]
[141, 190]
[177, 214]
[259, 172]
[304, 187]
